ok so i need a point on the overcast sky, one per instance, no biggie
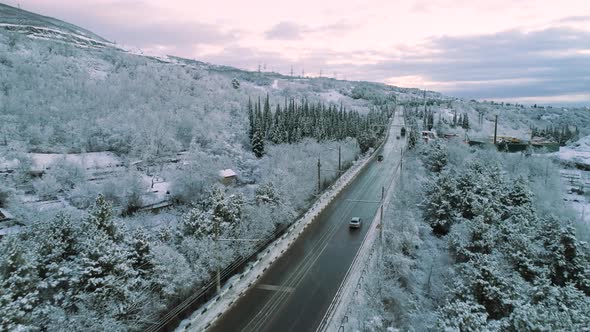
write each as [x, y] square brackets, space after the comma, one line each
[527, 50]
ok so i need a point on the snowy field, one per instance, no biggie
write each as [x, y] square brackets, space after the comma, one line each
[91, 160]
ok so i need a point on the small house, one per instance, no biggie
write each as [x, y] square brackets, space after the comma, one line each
[5, 215]
[228, 176]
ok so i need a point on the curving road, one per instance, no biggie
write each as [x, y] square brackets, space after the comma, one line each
[296, 291]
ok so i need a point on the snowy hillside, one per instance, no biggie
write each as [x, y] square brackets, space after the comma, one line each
[38, 26]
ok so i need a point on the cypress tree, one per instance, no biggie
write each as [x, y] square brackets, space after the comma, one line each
[276, 131]
[250, 120]
[267, 117]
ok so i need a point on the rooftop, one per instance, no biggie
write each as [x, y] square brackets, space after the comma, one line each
[227, 173]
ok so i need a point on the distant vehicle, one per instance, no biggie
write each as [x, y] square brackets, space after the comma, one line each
[380, 157]
[428, 136]
[403, 132]
[397, 137]
[355, 222]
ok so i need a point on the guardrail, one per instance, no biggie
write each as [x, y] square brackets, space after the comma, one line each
[321, 203]
[330, 317]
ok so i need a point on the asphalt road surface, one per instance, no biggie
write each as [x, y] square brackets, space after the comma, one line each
[296, 291]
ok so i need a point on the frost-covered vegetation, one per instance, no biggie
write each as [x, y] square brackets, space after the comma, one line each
[476, 119]
[477, 240]
[90, 135]
[298, 121]
[94, 272]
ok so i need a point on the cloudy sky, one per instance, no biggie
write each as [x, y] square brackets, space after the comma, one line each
[513, 50]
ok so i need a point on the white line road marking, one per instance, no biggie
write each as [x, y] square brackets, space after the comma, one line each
[275, 288]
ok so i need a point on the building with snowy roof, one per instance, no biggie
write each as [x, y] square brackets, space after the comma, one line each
[228, 176]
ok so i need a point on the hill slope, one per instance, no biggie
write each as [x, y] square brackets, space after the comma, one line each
[15, 19]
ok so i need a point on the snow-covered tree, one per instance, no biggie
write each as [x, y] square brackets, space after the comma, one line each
[267, 194]
[101, 217]
[18, 285]
[435, 156]
[258, 143]
[414, 134]
[440, 204]
[465, 124]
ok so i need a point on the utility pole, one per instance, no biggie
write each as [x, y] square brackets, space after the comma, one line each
[291, 70]
[218, 278]
[339, 160]
[495, 129]
[382, 201]
[319, 181]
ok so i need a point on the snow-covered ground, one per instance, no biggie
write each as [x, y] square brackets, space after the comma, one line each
[577, 152]
[575, 181]
[40, 32]
[42, 161]
[577, 186]
[90, 160]
[158, 192]
[8, 164]
[332, 96]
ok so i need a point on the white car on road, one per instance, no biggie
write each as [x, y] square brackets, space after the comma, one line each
[355, 222]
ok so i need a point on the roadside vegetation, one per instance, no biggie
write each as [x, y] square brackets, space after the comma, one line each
[477, 240]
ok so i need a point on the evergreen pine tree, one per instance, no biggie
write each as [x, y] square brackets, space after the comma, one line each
[440, 204]
[258, 143]
[413, 135]
[465, 124]
[101, 217]
[140, 254]
[276, 131]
